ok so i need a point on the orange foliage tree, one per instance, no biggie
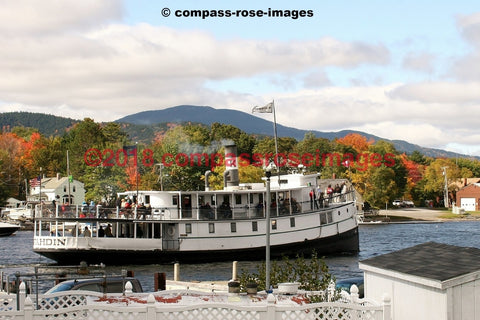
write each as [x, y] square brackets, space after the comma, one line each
[356, 141]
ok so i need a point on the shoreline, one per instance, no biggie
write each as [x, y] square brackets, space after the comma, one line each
[417, 215]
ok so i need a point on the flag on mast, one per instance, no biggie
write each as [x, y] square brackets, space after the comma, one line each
[265, 109]
[35, 182]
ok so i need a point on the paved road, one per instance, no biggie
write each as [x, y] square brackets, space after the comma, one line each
[414, 213]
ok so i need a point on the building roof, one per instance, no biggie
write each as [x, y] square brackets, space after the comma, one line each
[461, 183]
[431, 260]
[53, 183]
[470, 186]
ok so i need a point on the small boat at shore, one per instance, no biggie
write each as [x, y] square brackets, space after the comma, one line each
[204, 226]
[7, 229]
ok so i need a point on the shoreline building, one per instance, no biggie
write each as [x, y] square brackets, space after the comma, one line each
[57, 188]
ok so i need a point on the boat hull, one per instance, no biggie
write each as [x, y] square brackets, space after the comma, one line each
[6, 231]
[343, 243]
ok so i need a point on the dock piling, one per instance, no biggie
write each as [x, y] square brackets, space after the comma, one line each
[176, 272]
[234, 270]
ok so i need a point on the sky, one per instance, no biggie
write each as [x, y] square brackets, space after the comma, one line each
[402, 69]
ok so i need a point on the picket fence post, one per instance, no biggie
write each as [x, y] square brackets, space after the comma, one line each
[271, 312]
[387, 307]
[128, 288]
[28, 309]
[22, 294]
[151, 312]
[354, 297]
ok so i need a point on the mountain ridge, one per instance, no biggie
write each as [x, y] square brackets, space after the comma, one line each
[255, 125]
[143, 126]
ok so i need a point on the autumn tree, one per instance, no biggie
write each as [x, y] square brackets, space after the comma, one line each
[434, 179]
[10, 153]
[356, 141]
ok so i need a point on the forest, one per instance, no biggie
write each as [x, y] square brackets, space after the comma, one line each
[102, 156]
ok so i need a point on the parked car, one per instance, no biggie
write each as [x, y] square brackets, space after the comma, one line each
[346, 284]
[397, 203]
[403, 203]
[408, 203]
[103, 285]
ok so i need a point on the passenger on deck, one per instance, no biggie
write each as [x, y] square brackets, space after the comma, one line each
[206, 211]
[225, 210]
[101, 232]
[141, 211]
[148, 210]
[259, 209]
[108, 231]
[321, 200]
[87, 233]
[285, 207]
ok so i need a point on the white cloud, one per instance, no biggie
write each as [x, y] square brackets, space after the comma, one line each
[113, 70]
[77, 57]
[30, 17]
[470, 27]
[419, 62]
[439, 92]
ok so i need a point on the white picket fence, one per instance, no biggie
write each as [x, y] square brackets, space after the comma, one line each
[156, 306]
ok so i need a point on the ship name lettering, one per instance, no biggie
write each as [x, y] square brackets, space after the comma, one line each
[50, 242]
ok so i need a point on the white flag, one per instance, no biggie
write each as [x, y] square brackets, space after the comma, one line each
[265, 109]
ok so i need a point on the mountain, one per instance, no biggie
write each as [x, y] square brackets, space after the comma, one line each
[143, 126]
[48, 125]
[255, 125]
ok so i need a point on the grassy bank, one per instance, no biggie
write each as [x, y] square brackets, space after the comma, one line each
[453, 216]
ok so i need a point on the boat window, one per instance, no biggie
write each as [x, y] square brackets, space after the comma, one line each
[186, 206]
[323, 218]
[147, 199]
[175, 200]
[233, 227]
[226, 198]
[254, 226]
[274, 224]
[292, 222]
[238, 199]
[211, 228]
[74, 190]
[250, 198]
[188, 228]
[156, 231]
[329, 217]
[212, 200]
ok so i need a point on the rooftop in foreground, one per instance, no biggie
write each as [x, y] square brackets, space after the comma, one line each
[430, 260]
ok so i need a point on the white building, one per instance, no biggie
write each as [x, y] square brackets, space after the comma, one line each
[58, 189]
[427, 281]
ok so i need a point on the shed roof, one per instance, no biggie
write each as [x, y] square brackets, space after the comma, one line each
[431, 260]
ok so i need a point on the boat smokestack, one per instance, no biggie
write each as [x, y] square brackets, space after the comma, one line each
[207, 183]
[230, 176]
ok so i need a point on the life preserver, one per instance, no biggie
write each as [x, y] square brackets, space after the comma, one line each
[171, 231]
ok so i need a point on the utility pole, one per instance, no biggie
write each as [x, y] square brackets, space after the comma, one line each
[445, 190]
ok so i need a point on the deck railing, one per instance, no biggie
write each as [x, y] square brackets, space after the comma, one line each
[175, 305]
[249, 211]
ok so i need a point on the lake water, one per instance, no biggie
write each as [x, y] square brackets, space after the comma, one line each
[16, 252]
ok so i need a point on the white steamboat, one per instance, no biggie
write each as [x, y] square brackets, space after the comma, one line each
[204, 226]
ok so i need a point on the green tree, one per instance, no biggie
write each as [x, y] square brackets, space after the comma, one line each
[381, 187]
[220, 132]
[317, 148]
[434, 179]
